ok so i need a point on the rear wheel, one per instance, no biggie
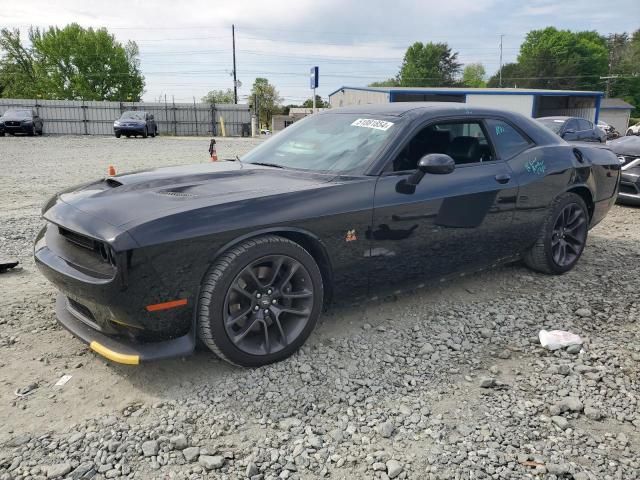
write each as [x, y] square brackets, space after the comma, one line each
[260, 301]
[562, 237]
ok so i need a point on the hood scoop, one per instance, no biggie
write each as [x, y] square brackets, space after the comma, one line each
[171, 193]
[112, 182]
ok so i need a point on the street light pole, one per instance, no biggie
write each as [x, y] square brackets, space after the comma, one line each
[235, 81]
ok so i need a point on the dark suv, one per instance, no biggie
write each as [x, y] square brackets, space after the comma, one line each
[21, 120]
[134, 123]
[574, 129]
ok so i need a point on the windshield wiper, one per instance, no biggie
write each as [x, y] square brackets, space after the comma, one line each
[264, 164]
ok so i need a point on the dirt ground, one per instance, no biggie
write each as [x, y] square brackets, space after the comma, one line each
[483, 325]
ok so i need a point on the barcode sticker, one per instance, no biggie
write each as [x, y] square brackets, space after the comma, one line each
[372, 123]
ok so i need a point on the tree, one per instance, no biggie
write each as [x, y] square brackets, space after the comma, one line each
[219, 96]
[473, 75]
[510, 77]
[70, 63]
[319, 103]
[389, 82]
[625, 68]
[429, 65]
[268, 99]
[561, 59]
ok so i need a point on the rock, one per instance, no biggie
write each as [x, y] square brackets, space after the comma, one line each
[150, 448]
[581, 476]
[427, 349]
[485, 333]
[558, 468]
[574, 349]
[379, 467]
[57, 470]
[487, 382]
[84, 471]
[592, 413]
[504, 354]
[583, 312]
[211, 462]
[386, 429]
[252, 469]
[191, 453]
[561, 422]
[394, 468]
[179, 441]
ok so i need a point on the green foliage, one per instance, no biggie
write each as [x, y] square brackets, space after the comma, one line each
[268, 99]
[511, 76]
[390, 82]
[561, 59]
[319, 103]
[625, 63]
[473, 75]
[219, 96]
[429, 65]
[69, 63]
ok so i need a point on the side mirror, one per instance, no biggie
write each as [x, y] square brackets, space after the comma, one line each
[433, 163]
[568, 132]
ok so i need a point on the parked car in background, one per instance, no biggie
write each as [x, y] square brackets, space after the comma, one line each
[21, 120]
[574, 129]
[609, 130]
[133, 123]
[634, 129]
[244, 254]
[628, 151]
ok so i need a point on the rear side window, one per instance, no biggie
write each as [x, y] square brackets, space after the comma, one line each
[584, 125]
[506, 139]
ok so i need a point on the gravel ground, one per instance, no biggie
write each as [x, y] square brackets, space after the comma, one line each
[447, 382]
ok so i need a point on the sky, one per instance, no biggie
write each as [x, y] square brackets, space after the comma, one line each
[186, 48]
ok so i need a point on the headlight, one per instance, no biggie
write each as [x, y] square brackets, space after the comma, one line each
[116, 123]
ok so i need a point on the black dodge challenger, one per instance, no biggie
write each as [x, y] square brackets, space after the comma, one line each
[244, 254]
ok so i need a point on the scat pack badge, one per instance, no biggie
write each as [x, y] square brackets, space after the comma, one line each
[351, 236]
[535, 166]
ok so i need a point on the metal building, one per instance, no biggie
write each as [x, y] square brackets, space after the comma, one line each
[616, 112]
[534, 103]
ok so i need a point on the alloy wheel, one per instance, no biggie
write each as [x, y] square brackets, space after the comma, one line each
[268, 304]
[569, 235]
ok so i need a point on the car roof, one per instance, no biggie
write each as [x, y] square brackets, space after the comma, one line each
[557, 117]
[404, 108]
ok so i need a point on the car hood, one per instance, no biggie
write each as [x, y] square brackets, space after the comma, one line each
[130, 120]
[143, 195]
[625, 146]
[15, 118]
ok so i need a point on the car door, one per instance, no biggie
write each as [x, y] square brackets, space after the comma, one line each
[585, 130]
[570, 131]
[447, 223]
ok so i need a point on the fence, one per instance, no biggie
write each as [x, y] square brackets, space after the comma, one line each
[77, 117]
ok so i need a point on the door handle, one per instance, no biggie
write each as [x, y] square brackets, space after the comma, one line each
[503, 178]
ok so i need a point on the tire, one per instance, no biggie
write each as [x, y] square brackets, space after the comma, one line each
[154, 133]
[542, 256]
[32, 132]
[118, 134]
[145, 133]
[629, 132]
[284, 335]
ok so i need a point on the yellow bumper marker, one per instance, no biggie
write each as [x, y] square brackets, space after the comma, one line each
[114, 356]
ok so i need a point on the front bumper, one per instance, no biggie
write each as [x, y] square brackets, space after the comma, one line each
[126, 129]
[108, 306]
[630, 187]
[117, 349]
[15, 127]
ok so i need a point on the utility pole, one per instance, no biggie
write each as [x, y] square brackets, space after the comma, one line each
[500, 81]
[611, 46]
[235, 82]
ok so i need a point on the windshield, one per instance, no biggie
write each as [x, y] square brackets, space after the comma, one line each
[328, 142]
[17, 113]
[132, 116]
[553, 124]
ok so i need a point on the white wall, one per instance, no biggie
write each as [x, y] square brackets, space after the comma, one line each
[516, 103]
[357, 97]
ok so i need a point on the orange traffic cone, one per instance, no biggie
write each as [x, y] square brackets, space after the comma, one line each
[111, 171]
[212, 150]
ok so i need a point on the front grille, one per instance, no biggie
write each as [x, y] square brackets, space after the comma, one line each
[78, 239]
[82, 313]
[12, 124]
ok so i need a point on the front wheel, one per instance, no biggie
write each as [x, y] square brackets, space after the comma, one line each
[260, 301]
[562, 237]
[145, 133]
[629, 132]
[118, 134]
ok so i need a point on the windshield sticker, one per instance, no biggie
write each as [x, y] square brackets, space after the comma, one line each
[371, 123]
[536, 166]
